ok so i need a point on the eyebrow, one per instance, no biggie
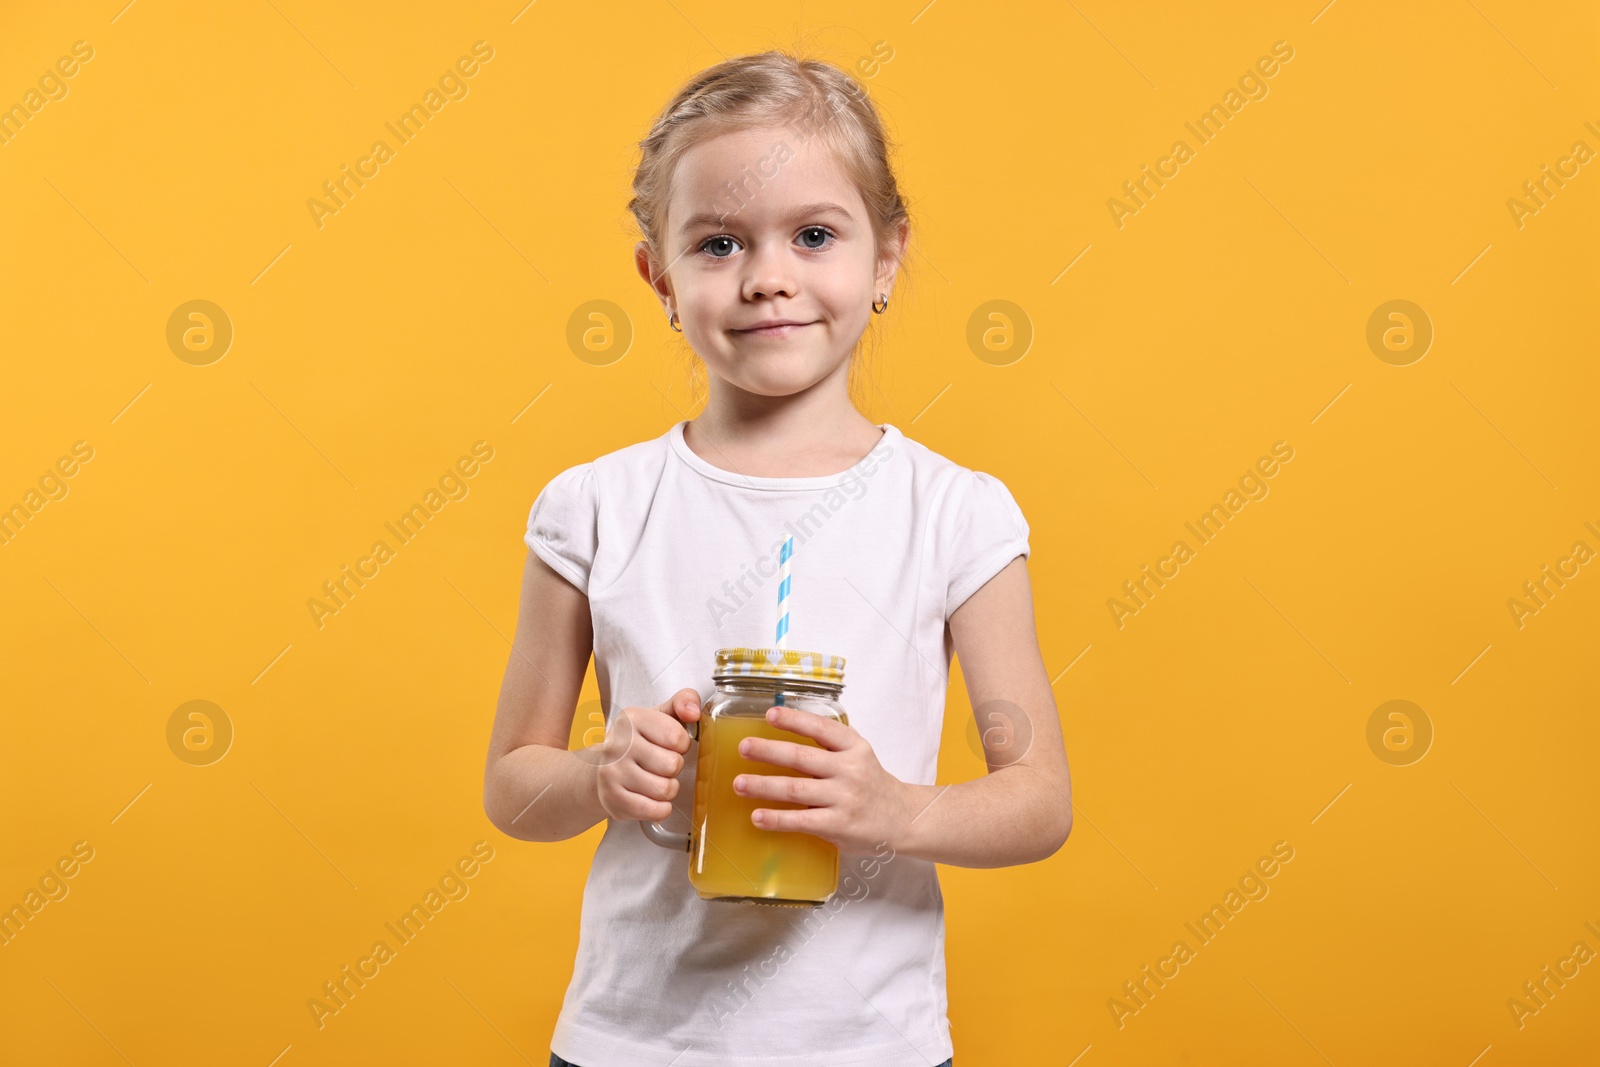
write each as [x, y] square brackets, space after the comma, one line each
[712, 218]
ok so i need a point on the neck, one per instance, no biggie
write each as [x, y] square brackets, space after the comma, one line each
[815, 431]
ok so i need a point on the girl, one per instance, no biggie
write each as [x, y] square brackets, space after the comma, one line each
[773, 230]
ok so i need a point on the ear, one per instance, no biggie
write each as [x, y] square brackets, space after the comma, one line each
[657, 279]
[889, 266]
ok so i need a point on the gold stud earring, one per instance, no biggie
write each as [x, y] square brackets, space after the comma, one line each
[672, 323]
[880, 308]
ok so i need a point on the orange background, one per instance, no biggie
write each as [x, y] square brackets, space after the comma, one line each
[431, 312]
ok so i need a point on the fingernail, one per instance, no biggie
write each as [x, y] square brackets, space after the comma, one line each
[744, 747]
[738, 783]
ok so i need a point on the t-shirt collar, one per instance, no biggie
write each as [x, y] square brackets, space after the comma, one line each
[681, 448]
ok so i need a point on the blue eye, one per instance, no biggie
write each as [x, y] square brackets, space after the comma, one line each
[723, 247]
[823, 231]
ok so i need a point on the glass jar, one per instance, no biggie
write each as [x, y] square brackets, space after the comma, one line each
[730, 858]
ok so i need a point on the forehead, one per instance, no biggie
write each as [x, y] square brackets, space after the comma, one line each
[759, 174]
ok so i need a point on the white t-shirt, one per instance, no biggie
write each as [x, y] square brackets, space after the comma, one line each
[679, 558]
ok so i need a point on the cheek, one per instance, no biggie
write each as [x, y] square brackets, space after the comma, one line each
[846, 294]
[850, 309]
[714, 294]
[700, 306]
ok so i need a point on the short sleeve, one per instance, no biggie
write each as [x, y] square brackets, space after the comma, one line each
[562, 525]
[990, 531]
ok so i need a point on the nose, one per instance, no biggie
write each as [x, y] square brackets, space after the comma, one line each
[769, 272]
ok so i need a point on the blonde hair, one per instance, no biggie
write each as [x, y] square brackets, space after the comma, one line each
[772, 88]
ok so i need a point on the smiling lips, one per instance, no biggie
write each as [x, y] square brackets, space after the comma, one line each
[774, 328]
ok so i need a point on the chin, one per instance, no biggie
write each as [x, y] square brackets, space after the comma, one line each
[774, 373]
[768, 387]
[779, 384]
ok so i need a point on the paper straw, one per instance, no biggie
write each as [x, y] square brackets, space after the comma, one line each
[783, 598]
[783, 591]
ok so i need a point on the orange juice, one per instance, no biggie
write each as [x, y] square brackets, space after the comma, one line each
[732, 857]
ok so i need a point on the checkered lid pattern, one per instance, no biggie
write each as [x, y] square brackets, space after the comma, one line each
[779, 663]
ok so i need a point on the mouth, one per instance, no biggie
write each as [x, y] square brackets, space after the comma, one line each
[776, 329]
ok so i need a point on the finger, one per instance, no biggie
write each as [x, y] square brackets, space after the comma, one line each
[786, 788]
[828, 732]
[806, 758]
[660, 728]
[792, 820]
[636, 779]
[634, 806]
[655, 759]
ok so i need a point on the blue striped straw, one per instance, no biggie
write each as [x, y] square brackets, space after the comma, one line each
[783, 591]
[783, 598]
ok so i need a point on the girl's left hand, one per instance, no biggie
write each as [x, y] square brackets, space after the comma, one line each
[850, 799]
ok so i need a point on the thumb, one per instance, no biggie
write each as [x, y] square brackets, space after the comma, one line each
[683, 705]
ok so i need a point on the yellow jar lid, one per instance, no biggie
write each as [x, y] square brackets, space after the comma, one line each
[779, 663]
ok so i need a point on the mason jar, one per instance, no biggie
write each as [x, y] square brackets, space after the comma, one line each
[730, 858]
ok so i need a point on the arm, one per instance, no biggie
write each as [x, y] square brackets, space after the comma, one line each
[534, 788]
[1021, 811]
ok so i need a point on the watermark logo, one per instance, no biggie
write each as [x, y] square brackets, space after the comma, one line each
[51, 887]
[1538, 992]
[598, 739]
[199, 733]
[1399, 733]
[1539, 191]
[1399, 332]
[199, 332]
[1541, 590]
[599, 332]
[749, 585]
[1252, 886]
[999, 332]
[452, 85]
[339, 991]
[52, 86]
[1252, 85]
[1000, 733]
[855, 885]
[1252, 486]
[52, 486]
[341, 590]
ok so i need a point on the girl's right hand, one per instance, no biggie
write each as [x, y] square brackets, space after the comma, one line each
[642, 755]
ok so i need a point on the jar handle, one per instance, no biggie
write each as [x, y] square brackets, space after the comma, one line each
[660, 835]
